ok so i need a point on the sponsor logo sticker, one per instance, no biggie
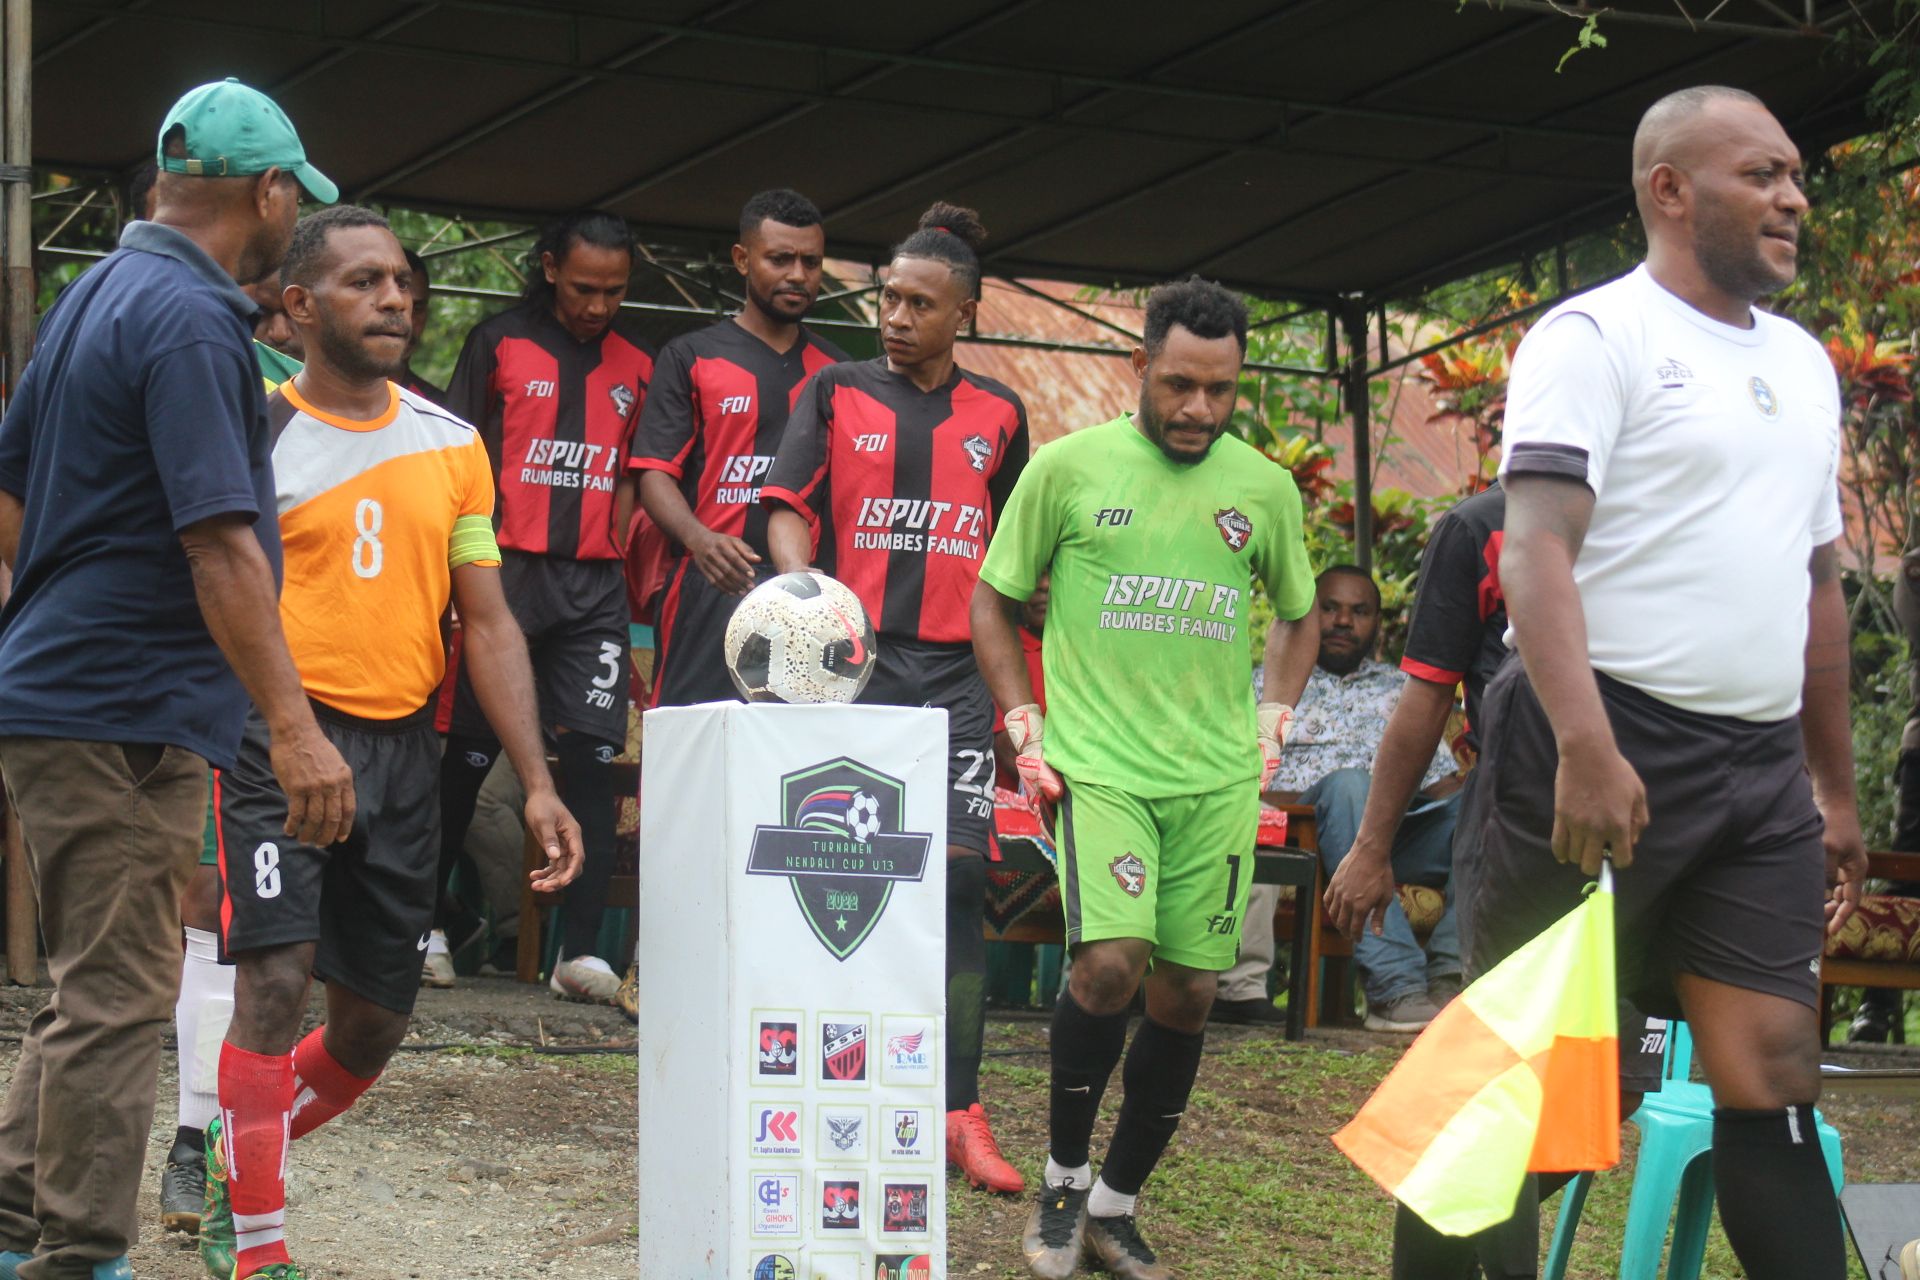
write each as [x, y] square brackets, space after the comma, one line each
[843, 1049]
[907, 1133]
[903, 1266]
[840, 1203]
[774, 1266]
[776, 1049]
[903, 1208]
[774, 1199]
[843, 1133]
[773, 1130]
[907, 1051]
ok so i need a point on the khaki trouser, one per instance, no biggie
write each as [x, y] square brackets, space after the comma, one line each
[1247, 980]
[112, 834]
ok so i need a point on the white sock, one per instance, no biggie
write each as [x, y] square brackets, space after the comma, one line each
[200, 1019]
[437, 943]
[1105, 1202]
[1058, 1175]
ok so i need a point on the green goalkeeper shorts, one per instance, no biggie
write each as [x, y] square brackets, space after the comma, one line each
[1174, 871]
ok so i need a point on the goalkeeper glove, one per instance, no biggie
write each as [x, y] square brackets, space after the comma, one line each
[1026, 728]
[1276, 722]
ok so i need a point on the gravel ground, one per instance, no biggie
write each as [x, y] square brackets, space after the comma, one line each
[480, 1160]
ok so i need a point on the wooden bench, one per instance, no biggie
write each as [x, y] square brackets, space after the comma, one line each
[1880, 946]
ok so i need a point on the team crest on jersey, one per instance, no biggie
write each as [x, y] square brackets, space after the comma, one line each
[622, 397]
[1130, 874]
[979, 451]
[1233, 526]
[1763, 398]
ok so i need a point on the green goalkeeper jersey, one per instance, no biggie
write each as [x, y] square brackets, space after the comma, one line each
[1146, 651]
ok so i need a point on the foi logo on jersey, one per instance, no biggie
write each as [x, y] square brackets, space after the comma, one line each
[539, 388]
[908, 1051]
[775, 1130]
[740, 476]
[775, 1204]
[735, 404]
[843, 1052]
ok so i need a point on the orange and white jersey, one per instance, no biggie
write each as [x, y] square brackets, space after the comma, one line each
[374, 516]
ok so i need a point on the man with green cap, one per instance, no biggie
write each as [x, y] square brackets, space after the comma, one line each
[137, 511]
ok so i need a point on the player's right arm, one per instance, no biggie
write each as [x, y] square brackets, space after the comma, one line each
[798, 487]
[1022, 548]
[663, 442]
[1565, 399]
[494, 653]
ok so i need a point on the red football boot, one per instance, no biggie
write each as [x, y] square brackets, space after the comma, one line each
[972, 1150]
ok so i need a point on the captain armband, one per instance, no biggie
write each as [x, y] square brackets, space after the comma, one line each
[472, 542]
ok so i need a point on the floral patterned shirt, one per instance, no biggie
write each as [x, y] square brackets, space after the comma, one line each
[1339, 723]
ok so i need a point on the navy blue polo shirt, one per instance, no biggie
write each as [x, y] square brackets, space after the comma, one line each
[140, 413]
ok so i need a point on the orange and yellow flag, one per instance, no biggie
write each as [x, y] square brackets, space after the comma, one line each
[1519, 1074]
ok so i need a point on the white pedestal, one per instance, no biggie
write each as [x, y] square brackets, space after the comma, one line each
[792, 993]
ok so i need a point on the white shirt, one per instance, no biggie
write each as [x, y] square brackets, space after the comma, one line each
[1338, 724]
[1713, 453]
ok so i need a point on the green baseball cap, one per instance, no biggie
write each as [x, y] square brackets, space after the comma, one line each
[233, 131]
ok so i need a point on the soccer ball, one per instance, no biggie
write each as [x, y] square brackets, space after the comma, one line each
[863, 817]
[800, 637]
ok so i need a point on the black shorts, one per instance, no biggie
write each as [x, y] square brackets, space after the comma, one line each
[1643, 1040]
[1728, 881]
[574, 615]
[367, 901]
[690, 662]
[910, 673]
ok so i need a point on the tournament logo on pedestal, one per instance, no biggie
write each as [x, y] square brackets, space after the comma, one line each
[840, 841]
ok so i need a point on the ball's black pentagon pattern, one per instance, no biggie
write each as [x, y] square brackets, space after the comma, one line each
[800, 638]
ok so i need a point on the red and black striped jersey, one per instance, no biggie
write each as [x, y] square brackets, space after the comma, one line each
[902, 487]
[1457, 634]
[714, 417]
[557, 415]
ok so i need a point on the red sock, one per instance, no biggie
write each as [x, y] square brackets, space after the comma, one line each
[256, 1094]
[322, 1088]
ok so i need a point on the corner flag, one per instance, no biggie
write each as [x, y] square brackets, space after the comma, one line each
[1519, 1074]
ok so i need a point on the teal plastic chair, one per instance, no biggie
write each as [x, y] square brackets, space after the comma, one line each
[1672, 1179]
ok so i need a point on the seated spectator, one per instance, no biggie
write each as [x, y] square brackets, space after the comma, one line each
[1338, 725]
[1881, 1008]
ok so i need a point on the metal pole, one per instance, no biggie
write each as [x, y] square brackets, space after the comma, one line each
[16, 342]
[16, 190]
[1353, 319]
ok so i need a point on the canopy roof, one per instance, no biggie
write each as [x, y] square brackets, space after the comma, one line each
[1307, 149]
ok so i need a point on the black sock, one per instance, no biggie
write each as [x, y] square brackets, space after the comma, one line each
[1161, 1066]
[463, 770]
[586, 781]
[1085, 1048]
[966, 978]
[187, 1136]
[1776, 1197]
